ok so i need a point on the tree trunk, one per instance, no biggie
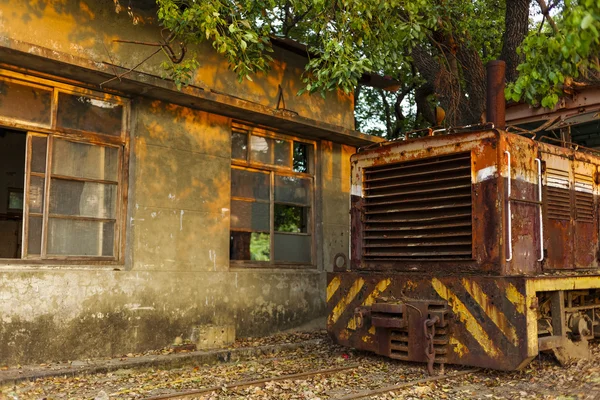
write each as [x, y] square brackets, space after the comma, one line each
[516, 28]
[473, 70]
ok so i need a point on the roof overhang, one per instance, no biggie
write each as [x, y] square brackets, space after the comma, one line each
[36, 60]
[585, 101]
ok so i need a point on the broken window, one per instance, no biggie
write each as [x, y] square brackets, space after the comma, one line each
[271, 198]
[66, 198]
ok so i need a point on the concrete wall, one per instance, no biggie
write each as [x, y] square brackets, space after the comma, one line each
[88, 28]
[177, 273]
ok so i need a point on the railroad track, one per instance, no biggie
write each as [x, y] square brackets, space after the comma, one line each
[188, 394]
[253, 383]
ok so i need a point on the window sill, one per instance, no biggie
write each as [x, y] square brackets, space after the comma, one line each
[63, 263]
[249, 265]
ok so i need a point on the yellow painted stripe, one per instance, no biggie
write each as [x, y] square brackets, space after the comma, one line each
[352, 324]
[465, 316]
[380, 287]
[513, 295]
[497, 316]
[347, 299]
[458, 347]
[333, 287]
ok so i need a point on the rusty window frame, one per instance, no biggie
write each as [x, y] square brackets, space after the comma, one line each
[276, 170]
[52, 132]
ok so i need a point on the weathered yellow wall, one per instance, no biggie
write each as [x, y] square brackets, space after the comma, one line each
[180, 199]
[87, 28]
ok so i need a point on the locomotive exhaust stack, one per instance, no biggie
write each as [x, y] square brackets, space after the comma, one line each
[478, 248]
[495, 109]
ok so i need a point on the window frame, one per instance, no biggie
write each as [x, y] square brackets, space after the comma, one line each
[273, 171]
[51, 133]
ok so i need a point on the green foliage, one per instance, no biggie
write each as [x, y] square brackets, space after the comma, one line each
[349, 37]
[260, 246]
[480, 23]
[181, 73]
[234, 29]
[554, 59]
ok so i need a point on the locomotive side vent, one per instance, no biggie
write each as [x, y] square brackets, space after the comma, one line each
[584, 198]
[558, 195]
[419, 210]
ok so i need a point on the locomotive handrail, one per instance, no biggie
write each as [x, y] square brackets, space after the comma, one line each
[509, 213]
[539, 165]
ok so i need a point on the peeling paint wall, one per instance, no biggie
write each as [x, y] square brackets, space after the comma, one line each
[176, 273]
[88, 28]
[66, 314]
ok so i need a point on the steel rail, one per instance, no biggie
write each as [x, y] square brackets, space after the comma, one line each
[386, 389]
[257, 383]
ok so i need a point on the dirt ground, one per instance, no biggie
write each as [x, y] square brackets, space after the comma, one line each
[542, 379]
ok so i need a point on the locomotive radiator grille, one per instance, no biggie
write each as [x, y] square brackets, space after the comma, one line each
[418, 210]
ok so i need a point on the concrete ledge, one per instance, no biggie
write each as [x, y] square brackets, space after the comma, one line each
[175, 360]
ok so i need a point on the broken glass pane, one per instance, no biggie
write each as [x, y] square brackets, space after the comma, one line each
[25, 103]
[261, 149]
[292, 189]
[250, 246]
[88, 114]
[251, 216]
[293, 248]
[282, 153]
[239, 146]
[84, 199]
[291, 218]
[82, 160]
[250, 184]
[302, 157]
[70, 237]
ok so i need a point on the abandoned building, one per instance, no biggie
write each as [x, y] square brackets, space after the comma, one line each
[132, 213]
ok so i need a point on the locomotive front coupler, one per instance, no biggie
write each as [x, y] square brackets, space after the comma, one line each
[408, 329]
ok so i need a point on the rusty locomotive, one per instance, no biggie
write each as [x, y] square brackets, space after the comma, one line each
[478, 248]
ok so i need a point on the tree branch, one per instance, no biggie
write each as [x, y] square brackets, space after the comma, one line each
[546, 12]
[386, 110]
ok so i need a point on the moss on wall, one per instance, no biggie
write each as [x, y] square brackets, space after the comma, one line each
[110, 313]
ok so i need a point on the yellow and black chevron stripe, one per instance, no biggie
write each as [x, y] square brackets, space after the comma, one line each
[488, 326]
